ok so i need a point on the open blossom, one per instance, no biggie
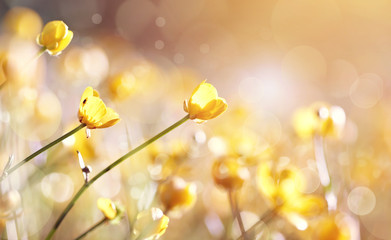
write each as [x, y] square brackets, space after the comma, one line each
[94, 113]
[55, 37]
[204, 103]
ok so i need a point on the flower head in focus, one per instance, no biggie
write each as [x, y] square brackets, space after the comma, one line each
[150, 224]
[107, 207]
[176, 193]
[55, 37]
[94, 113]
[229, 174]
[204, 103]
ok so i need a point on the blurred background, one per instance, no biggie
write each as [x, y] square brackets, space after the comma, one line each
[268, 59]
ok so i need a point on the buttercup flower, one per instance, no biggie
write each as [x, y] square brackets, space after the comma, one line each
[107, 207]
[151, 224]
[282, 189]
[94, 113]
[319, 119]
[229, 174]
[204, 104]
[176, 193]
[55, 37]
[22, 22]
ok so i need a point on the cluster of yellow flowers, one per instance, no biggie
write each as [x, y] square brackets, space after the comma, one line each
[234, 162]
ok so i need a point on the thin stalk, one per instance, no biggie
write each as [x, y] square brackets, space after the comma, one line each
[81, 126]
[92, 228]
[108, 168]
[236, 213]
[265, 218]
[324, 173]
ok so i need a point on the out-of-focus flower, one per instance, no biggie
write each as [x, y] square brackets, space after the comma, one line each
[3, 67]
[122, 85]
[176, 193]
[55, 37]
[9, 202]
[107, 207]
[22, 22]
[94, 113]
[229, 174]
[151, 224]
[331, 227]
[282, 189]
[319, 119]
[204, 103]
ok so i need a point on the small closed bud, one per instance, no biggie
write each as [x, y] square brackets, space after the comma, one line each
[107, 207]
[229, 174]
[9, 202]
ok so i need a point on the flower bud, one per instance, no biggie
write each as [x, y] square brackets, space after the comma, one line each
[229, 174]
[176, 193]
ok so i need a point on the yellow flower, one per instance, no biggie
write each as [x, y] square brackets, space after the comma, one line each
[122, 85]
[107, 207]
[332, 227]
[55, 37]
[3, 67]
[282, 189]
[229, 174]
[150, 224]
[204, 104]
[319, 119]
[94, 113]
[23, 22]
[176, 193]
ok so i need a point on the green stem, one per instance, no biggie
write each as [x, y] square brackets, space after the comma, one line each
[45, 148]
[92, 228]
[236, 213]
[108, 168]
[266, 217]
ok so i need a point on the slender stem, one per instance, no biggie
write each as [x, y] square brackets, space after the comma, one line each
[324, 173]
[266, 217]
[108, 168]
[92, 228]
[236, 213]
[82, 125]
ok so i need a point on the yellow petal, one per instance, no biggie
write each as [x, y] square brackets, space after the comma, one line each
[111, 118]
[310, 205]
[53, 31]
[62, 44]
[203, 94]
[92, 111]
[107, 207]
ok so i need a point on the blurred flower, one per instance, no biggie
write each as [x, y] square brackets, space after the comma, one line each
[282, 188]
[122, 85]
[107, 207]
[9, 202]
[22, 22]
[55, 37]
[229, 174]
[3, 67]
[319, 119]
[331, 228]
[94, 113]
[151, 224]
[204, 104]
[176, 193]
